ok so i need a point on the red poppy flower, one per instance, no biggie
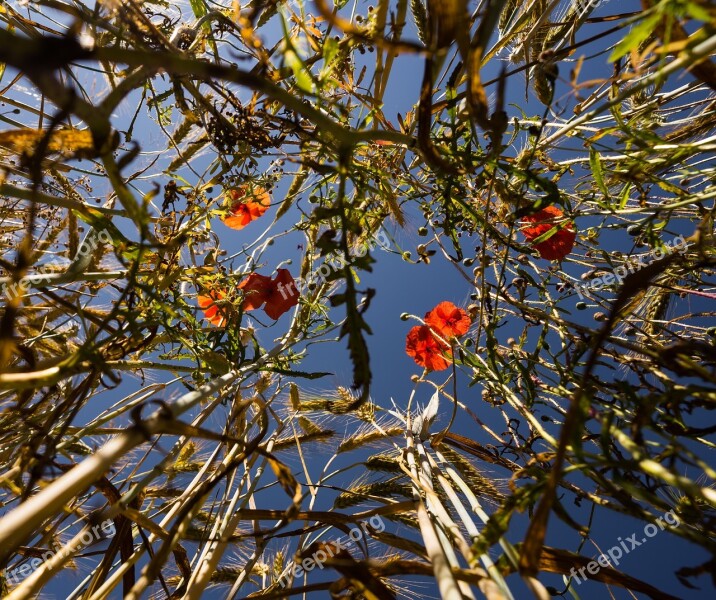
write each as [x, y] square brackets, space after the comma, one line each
[561, 234]
[279, 294]
[282, 296]
[212, 313]
[426, 350]
[447, 320]
[243, 211]
[255, 288]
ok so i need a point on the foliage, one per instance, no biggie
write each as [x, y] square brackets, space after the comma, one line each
[140, 136]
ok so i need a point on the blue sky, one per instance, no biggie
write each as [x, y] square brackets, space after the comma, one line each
[409, 288]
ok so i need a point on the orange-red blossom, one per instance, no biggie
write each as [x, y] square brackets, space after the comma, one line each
[243, 209]
[279, 294]
[428, 344]
[276, 295]
[561, 237]
[212, 312]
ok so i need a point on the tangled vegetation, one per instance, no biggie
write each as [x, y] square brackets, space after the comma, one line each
[152, 367]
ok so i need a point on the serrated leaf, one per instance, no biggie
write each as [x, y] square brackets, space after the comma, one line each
[302, 374]
[268, 12]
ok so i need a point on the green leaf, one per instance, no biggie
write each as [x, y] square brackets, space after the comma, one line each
[596, 165]
[330, 51]
[217, 363]
[303, 78]
[667, 186]
[698, 12]
[635, 37]
[198, 8]
[624, 198]
[103, 223]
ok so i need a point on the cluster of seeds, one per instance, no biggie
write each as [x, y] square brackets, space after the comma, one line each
[237, 128]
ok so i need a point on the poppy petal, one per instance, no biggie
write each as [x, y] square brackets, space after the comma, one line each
[426, 350]
[245, 209]
[237, 221]
[284, 294]
[560, 236]
[256, 290]
[212, 312]
[204, 301]
[447, 320]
